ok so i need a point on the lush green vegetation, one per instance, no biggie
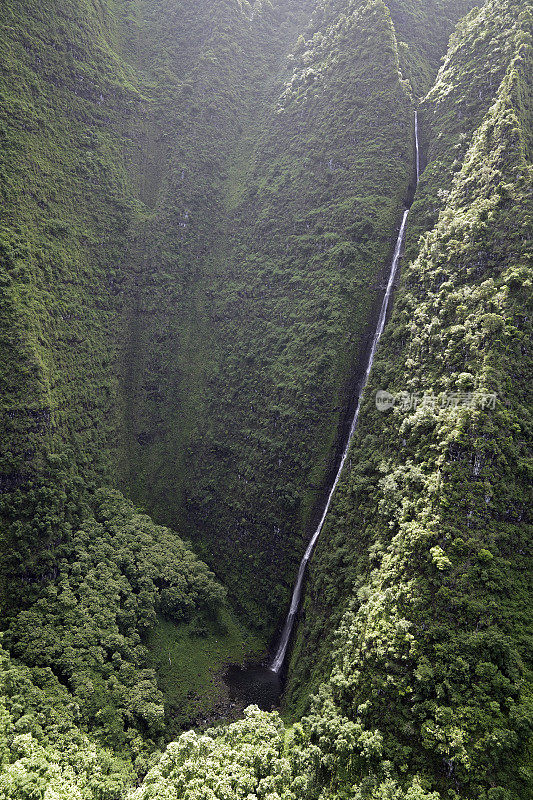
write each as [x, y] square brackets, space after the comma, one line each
[73, 108]
[234, 403]
[426, 548]
[199, 201]
[43, 749]
[116, 574]
[189, 661]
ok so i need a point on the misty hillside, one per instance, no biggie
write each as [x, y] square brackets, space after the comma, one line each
[265, 285]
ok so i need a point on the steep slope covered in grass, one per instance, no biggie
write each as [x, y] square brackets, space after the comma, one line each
[194, 230]
[429, 687]
[429, 529]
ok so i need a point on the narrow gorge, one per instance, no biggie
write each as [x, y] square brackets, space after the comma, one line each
[265, 416]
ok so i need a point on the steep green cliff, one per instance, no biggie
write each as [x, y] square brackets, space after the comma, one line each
[78, 119]
[426, 550]
[198, 206]
[424, 560]
[201, 241]
[247, 326]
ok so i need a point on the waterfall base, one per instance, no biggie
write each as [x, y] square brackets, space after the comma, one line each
[254, 684]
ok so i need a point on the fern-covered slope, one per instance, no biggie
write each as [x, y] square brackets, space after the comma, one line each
[194, 231]
[429, 529]
[428, 688]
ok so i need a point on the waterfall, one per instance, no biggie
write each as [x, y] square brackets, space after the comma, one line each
[417, 149]
[281, 652]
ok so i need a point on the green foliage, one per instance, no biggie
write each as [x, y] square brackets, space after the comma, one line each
[200, 240]
[66, 206]
[479, 53]
[193, 233]
[88, 624]
[279, 247]
[244, 760]
[433, 649]
[189, 660]
[257, 759]
[43, 752]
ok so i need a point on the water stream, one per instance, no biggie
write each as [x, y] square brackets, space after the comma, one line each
[279, 658]
[417, 149]
[260, 675]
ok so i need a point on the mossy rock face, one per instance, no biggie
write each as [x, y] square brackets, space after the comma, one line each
[199, 202]
[193, 246]
[424, 558]
[283, 232]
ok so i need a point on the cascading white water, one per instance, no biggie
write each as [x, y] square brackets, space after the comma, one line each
[279, 658]
[417, 149]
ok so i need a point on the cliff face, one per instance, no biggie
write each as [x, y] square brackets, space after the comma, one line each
[424, 559]
[67, 205]
[255, 276]
[200, 206]
[199, 201]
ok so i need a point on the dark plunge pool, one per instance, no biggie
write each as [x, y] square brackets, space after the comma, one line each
[254, 684]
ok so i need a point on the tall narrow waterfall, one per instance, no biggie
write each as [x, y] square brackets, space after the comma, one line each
[279, 658]
[417, 149]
